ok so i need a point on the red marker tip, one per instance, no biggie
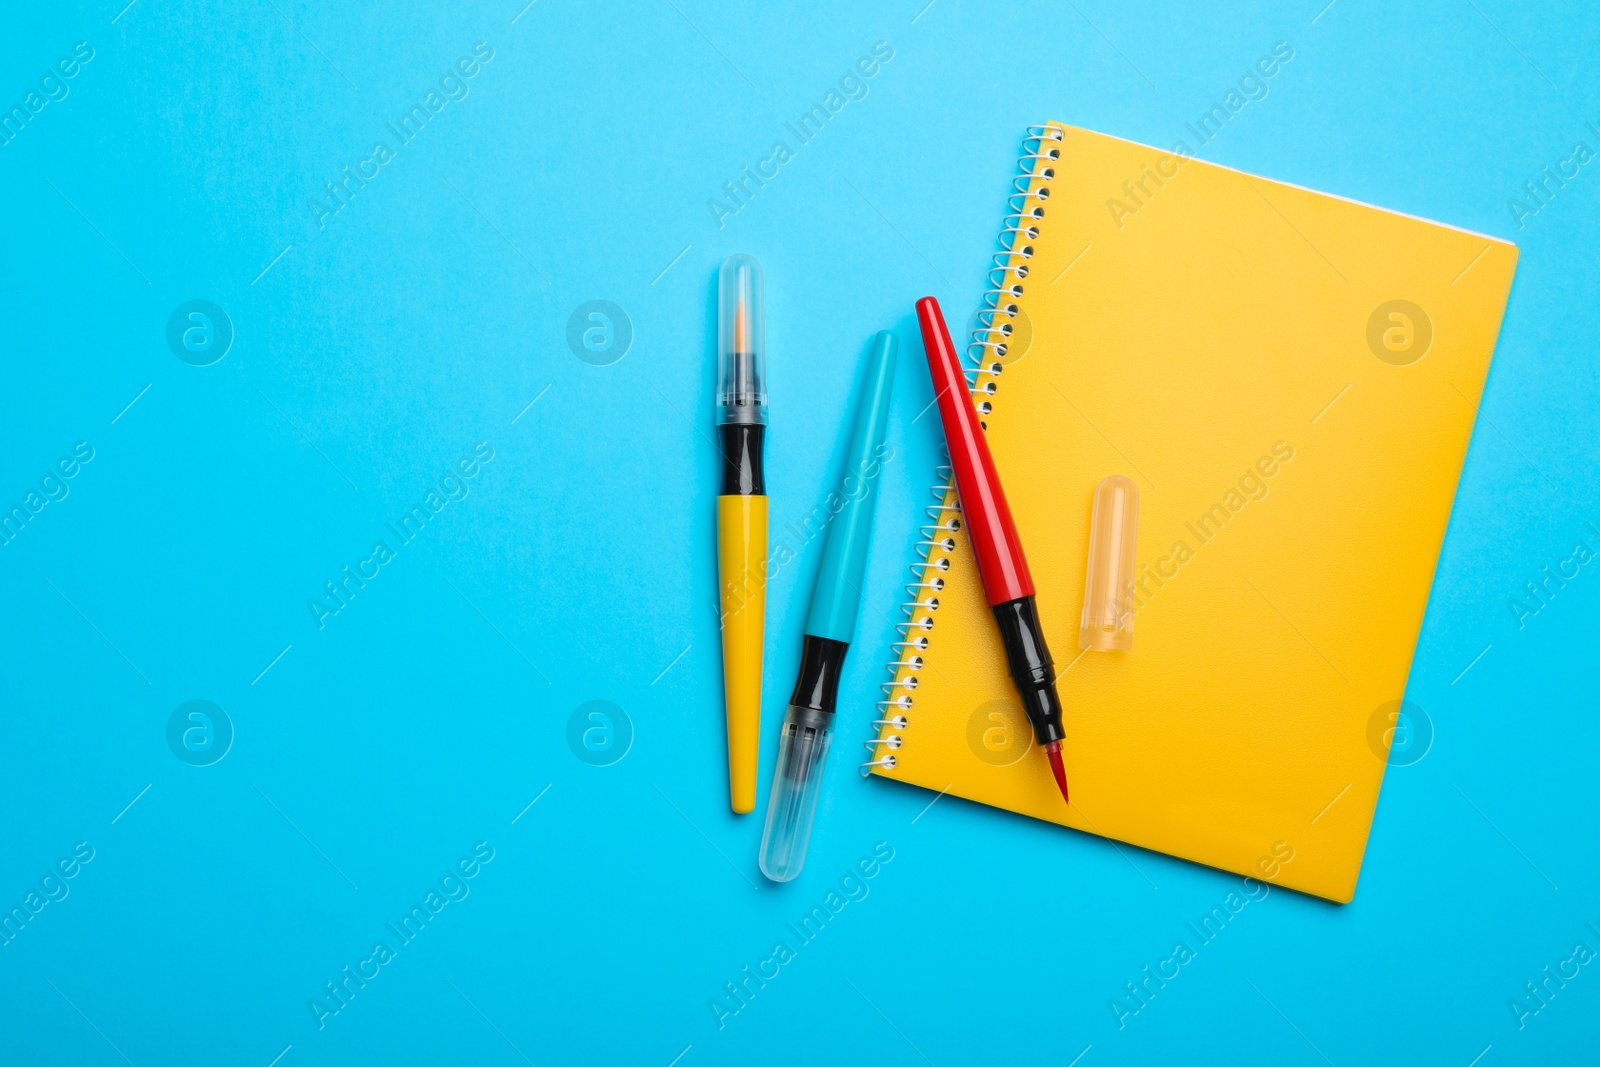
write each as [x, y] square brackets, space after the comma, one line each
[1053, 750]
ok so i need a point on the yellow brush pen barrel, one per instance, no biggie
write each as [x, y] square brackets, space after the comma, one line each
[742, 572]
[741, 404]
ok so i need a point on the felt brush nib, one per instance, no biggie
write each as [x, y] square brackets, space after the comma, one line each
[1053, 750]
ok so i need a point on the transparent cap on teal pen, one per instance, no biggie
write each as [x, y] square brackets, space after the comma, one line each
[741, 346]
[796, 785]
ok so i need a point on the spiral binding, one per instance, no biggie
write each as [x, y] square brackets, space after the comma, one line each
[987, 353]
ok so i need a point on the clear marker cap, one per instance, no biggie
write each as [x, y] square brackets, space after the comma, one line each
[741, 345]
[1107, 624]
[802, 752]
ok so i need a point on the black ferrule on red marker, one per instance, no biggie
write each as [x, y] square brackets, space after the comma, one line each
[1032, 669]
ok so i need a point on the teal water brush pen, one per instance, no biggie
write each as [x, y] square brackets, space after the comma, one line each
[830, 623]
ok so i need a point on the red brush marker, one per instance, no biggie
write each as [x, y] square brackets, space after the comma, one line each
[1001, 565]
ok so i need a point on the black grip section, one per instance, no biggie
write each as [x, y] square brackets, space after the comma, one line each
[821, 663]
[1031, 667]
[742, 447]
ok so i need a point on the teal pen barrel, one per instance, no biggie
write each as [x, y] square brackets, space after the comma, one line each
[836, 598]
[830, 623]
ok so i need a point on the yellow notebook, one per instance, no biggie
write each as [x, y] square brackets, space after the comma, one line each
[1291, 380]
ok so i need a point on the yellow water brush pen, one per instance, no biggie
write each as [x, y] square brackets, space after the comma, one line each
[741, 515]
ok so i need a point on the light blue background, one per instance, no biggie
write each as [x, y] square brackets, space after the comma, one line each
[428, 713]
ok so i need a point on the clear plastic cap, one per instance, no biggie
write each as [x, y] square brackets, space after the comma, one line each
[741, 345]
[1107, 624]
[792, 804]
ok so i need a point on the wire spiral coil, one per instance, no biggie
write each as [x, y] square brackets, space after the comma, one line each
[987, 354]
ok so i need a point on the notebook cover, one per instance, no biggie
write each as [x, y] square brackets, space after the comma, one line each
[1291, 379]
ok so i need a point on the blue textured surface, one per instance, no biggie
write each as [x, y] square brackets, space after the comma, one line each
[374, 747]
